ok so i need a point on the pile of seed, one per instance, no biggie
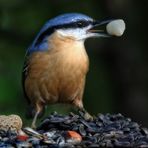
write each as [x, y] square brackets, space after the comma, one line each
[103, 131]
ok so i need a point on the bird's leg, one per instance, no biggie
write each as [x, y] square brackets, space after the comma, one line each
[86, 115]
[79, 106]
[37, 113]
[33, 125]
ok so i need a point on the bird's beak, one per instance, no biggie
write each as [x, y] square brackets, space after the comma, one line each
[101, 31]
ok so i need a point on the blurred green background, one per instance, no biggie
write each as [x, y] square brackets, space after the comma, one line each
[118, 76]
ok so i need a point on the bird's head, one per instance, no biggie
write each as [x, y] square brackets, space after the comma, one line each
[77, 26]
[72, 25]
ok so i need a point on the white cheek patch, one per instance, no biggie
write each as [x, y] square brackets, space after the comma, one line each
[116, 27]
[69, 32]
[75, 33]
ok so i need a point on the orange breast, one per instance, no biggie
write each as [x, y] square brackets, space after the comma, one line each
[56, 76]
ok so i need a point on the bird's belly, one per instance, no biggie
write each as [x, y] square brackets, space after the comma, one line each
[56, 78]
[65, 82]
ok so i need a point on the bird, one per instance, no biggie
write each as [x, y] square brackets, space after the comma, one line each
[56, 63]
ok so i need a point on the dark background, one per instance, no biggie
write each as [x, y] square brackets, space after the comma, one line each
[118, 76]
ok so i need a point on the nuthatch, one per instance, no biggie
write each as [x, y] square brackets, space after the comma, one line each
[56, 63]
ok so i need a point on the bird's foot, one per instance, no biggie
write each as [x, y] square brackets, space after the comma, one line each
[33, 126]
[85, 114]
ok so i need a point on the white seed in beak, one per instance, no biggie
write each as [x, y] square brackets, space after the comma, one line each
[116, 27]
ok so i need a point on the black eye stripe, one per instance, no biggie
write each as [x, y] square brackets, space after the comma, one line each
[50, 30]
[78, 24]
[83, 23]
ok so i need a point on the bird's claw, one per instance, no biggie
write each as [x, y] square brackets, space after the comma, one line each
[85, 114]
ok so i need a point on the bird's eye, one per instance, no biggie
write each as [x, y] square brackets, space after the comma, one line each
[81, 24]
